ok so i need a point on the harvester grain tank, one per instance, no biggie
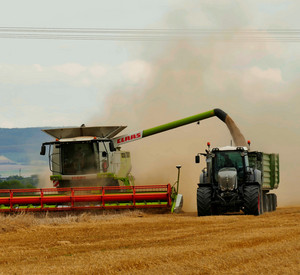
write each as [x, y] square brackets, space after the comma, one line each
[237, 179]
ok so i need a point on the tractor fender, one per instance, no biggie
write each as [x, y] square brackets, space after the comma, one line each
[255, 178]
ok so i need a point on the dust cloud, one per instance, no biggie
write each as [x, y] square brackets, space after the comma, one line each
[188, 78]
[174, 90]
[44, 178]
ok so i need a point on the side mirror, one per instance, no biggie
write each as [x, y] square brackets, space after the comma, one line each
[197, 159]
[43, 150]
[112, 146]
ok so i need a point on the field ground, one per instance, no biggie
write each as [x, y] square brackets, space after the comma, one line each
[149, 243]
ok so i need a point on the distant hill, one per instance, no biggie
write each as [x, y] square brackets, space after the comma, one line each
[22, 145]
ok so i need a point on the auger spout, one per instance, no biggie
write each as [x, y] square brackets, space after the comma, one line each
[169, 126]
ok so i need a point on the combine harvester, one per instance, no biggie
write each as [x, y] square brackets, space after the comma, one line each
[90, 171]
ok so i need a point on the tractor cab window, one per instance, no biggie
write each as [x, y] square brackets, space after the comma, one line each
[79, 158]
[231, 159]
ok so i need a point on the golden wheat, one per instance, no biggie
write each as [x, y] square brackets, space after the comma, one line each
[138, 242]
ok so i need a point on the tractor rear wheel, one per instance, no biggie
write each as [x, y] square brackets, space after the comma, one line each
[204, 201]
[252, 200]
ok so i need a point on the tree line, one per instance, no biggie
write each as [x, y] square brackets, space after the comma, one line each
[18, 182]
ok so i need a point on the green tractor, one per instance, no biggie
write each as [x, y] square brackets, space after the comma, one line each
[236, 179]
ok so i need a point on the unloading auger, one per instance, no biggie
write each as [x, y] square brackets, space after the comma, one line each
[90, 171]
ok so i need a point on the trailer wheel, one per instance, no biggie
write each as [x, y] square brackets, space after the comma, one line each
[252, 200]
[271, 202]
[204, 201]
[274, 201]
[266, 202]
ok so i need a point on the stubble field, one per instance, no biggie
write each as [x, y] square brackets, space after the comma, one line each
[151, 243]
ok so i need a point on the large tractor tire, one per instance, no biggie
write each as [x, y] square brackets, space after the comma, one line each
[252, 200]
[204, 201]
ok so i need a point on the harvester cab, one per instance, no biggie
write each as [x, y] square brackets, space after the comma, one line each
[86, 156]
[235, 179]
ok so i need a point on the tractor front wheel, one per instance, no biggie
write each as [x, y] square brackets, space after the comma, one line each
[204, 201]
[252, 200]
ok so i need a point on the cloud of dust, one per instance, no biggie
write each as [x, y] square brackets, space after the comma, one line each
[175, 89]
[44, 178]
[187, 78]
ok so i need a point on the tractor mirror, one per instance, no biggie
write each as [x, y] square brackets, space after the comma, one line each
[112, 146]
[43, 150]
[197, 159]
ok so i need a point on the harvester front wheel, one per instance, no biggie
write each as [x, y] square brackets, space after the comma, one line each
[252, 200]
[204, 201]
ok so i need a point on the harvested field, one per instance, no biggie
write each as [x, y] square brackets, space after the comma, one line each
[148, 243]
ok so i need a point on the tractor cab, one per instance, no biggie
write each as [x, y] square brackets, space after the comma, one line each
[231, 159]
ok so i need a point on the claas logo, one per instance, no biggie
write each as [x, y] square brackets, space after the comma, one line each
[129, 138]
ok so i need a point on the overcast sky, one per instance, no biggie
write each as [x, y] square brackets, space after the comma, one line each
[65, 82]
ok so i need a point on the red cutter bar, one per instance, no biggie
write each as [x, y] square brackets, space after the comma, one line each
[80, 198]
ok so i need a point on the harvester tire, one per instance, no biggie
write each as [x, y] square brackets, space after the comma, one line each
[252, 200]
[204, 201]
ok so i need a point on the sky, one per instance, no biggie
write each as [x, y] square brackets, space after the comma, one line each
[143, 84]
[47, 82]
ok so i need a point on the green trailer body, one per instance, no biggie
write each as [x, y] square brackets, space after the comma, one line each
[268, 164]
